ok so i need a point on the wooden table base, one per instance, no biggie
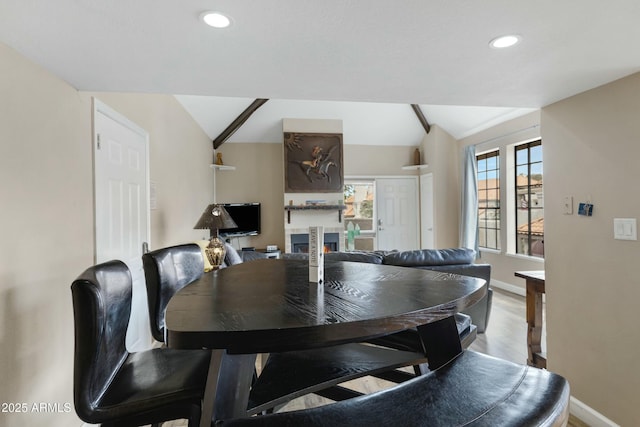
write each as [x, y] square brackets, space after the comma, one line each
[535, 289]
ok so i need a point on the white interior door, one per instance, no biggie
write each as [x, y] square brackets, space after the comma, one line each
[122, 207]
[426, 211]
[397, 212]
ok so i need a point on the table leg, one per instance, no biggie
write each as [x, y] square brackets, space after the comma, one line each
[441, 341]
[228, 385]
[534, 324]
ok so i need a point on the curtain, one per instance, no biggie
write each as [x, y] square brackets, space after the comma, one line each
[469, 217]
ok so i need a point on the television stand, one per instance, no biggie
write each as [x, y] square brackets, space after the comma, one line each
[270, 254]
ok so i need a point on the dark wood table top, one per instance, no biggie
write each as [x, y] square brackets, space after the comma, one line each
[269, 305]
[535, 275]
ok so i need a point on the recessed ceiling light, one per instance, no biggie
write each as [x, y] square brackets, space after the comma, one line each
[504, 41]
[216, 19]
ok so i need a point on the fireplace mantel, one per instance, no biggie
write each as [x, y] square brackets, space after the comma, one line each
[290, 208]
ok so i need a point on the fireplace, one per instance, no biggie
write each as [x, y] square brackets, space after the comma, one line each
[300, 242]
[302, 219]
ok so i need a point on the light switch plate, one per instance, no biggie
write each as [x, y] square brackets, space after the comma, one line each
[625, 229]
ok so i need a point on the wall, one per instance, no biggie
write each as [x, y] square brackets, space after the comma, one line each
[440, 151]
[370, 161]
[591, 150]
[47, 234]
[259, 177]
[47, 219]
[503, 264]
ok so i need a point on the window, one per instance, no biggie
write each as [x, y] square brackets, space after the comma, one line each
[529, 199]
[358, 200]
[359, 214]
[489, 200]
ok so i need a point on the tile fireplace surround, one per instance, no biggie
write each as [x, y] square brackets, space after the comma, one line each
[290, 231]
[299, 221]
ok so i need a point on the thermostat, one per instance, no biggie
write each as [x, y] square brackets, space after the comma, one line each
[585, 209]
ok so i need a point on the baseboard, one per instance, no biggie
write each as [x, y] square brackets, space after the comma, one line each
[518, 290]
[588, 415]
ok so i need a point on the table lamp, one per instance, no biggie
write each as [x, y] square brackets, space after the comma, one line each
[214, 218]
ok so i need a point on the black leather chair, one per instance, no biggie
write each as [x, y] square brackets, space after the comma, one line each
[166, 271]
[471, 390]
[114, 387]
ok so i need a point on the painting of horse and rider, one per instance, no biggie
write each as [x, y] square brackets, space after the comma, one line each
[313, 162]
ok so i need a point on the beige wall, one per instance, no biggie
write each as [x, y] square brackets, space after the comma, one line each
[259, 177]
[46, 225]
[440, 151]
[377, 160]
[591, 149]
[47, 234]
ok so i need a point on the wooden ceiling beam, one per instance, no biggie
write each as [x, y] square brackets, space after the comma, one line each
[239, 121]
[421, 117]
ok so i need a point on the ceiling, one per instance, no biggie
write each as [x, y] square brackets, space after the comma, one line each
[361, 61]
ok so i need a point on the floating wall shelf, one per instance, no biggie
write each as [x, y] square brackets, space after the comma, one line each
[414, 167]
[290, 208]
[223, 167]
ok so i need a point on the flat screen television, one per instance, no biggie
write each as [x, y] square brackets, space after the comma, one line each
[246, 216]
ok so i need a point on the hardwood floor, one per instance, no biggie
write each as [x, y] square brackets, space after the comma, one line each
[506, 338]
[506, 335]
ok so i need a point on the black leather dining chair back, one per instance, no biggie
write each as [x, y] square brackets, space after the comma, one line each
[113, 387]
[166, 271]
[102, 305]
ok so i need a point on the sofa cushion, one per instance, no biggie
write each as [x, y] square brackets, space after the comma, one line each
[252, 255]
[429, 257]
[355, 256]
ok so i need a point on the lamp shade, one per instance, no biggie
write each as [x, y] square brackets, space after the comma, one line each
[214, 217]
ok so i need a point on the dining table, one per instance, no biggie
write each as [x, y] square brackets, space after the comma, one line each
[269, 305]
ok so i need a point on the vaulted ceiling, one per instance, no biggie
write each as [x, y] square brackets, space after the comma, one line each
[362, 61]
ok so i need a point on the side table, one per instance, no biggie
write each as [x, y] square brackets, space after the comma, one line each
[270, 254]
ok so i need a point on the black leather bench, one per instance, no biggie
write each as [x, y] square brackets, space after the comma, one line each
[471, 390]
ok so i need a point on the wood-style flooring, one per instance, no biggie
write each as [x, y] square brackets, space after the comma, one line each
[506, 338]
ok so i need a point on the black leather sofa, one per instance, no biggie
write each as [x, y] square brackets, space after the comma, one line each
[454, 260]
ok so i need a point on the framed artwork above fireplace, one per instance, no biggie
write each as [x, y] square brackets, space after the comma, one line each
[313, 163]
